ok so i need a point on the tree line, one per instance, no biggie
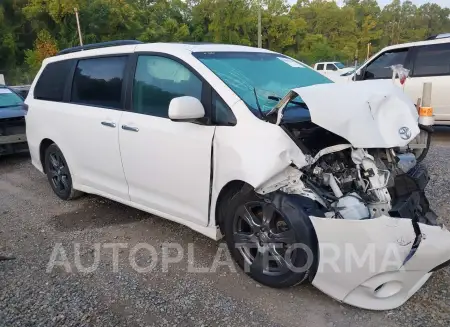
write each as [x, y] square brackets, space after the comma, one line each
[309, 30]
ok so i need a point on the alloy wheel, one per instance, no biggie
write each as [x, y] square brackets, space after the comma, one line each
[263, 238]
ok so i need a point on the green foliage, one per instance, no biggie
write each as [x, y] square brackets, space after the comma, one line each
[311, 30]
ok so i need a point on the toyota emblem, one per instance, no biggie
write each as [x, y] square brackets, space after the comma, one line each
[404, 133]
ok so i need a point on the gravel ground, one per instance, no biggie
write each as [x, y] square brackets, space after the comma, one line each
[33, 220]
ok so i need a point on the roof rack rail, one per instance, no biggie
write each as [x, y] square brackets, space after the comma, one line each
[98, 45]
[439, 36]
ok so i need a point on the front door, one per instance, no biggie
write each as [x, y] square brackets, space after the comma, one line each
[167, 164]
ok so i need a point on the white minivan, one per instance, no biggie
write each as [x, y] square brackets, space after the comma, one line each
[293, 170]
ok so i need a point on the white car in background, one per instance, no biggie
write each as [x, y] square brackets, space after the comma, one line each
[428, 61]
[249, 144]
[331, 67]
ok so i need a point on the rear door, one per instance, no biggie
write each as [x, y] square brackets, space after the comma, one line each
[432, 64]
[167, 164]
[89, 124]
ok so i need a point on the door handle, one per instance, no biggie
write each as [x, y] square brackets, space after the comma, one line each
[130, 128]
[108, 123]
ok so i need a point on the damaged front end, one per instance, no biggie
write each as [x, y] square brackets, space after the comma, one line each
[378, 239]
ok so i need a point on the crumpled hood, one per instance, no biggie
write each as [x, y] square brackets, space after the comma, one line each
[369, 114]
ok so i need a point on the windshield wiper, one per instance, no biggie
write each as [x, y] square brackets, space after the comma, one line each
[298, 103]
[258, 105]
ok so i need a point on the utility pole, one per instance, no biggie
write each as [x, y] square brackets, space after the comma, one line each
[368, 50]
[78, 26]
[259, 25]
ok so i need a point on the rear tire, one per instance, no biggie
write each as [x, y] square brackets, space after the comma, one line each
[251, 241]
[58, 174]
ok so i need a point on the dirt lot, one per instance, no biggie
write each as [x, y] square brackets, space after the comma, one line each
[33, 220]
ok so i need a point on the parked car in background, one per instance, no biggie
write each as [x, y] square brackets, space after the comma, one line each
[340, 77]
[428, 61]
[12, 122]
[22, 90]
[331, 67]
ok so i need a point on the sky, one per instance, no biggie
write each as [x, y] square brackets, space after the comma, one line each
[442, 3]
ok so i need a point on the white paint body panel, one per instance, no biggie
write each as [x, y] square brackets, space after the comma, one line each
[167, 165]
[165, 168]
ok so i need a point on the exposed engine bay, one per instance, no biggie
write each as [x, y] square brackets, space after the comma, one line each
[354, 183]
[352, 188]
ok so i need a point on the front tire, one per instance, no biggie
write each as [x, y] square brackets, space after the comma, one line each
[58, 174]
[270, 247]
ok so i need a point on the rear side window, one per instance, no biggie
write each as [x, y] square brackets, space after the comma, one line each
[432, 60]
[320, 67]
[381, 67]
[52, 82]
[98, 82]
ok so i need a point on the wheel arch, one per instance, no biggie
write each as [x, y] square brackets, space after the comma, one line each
[43, 146]
[226, 193]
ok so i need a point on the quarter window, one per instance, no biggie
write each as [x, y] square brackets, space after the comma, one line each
[381, 67]
[98, 82]
[320, 67]
[52, 82]
[433, 60]
[158, 80]
[222, 114]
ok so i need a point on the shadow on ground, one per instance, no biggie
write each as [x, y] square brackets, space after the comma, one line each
[97, 212]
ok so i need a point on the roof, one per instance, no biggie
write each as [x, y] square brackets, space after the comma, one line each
[419, 43]
[156, 47]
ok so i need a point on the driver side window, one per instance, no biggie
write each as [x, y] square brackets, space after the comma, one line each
[157, 81]
[381, 67]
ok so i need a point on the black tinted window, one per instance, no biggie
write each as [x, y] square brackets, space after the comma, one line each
[433, 60]
[331, 67]
[51, 84]
[158, 80]
[98, 82]
[381, 67]
[320, 67]
[222, 114]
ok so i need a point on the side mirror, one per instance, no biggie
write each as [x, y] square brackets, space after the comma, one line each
[186, 108]
[359, 74]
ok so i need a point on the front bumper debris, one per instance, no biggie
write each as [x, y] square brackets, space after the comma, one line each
[13, 138]
[362, 262]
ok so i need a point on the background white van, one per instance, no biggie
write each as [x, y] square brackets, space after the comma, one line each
[428, 61]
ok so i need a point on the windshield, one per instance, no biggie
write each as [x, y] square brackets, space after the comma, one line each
[9, 98]
[339, 65]
[270, 75]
